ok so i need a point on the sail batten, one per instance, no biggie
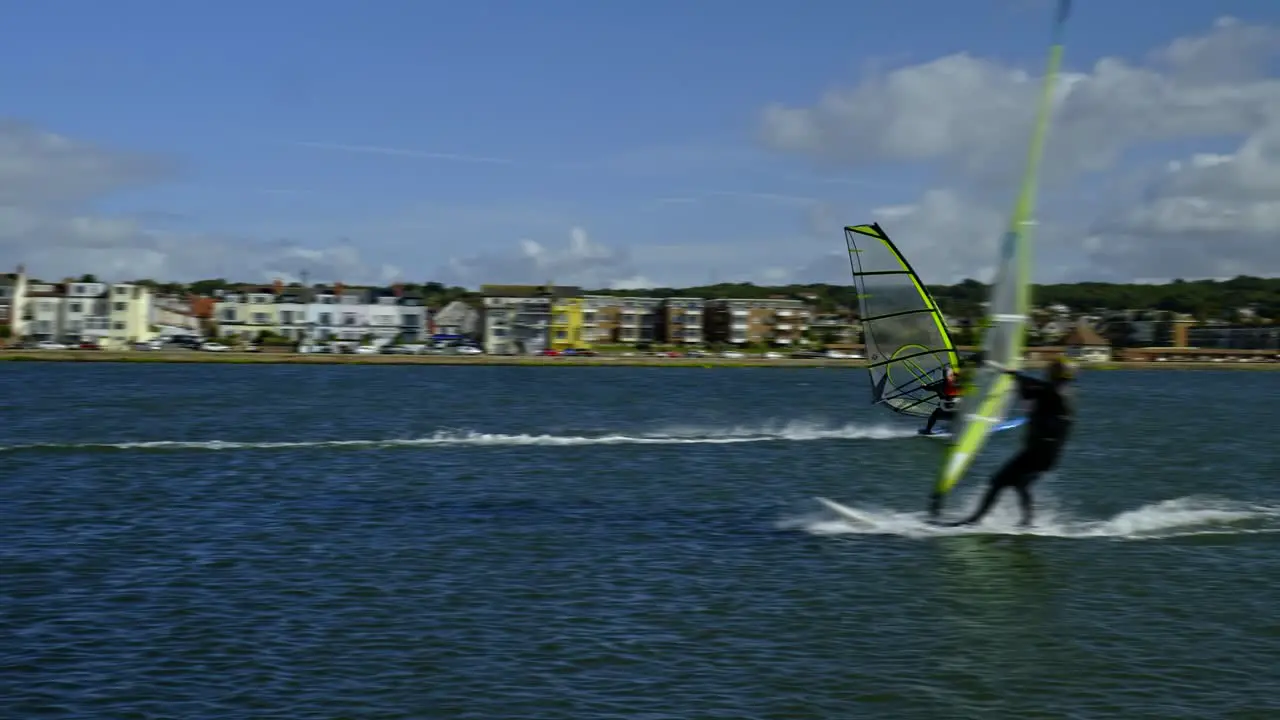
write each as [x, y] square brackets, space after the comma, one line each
[908, 346]
[992, 392]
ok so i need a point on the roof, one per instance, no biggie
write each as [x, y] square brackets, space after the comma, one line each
[1085, 336]
[55, 290]
[202, 307]
[520, 291]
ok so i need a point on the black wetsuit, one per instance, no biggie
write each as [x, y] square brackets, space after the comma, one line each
[941, 412]
[1048, 427]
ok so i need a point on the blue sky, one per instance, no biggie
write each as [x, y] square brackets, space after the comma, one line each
[425, 130]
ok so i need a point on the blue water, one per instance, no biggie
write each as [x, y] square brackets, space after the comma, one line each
[229, 541]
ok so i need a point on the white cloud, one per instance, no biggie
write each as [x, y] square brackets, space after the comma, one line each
[1207, 214]
[50, 186]
[581, 262]
[976, 113]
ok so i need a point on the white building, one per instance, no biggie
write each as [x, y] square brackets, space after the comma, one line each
[171, 316]
[458, 318]
[43, 311]
[383, 316]
[322, 314]
[85, 314]
[338, 314]
[396, 316]
[291, 312]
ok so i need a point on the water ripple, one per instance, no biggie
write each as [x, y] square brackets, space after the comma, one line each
[598, 551]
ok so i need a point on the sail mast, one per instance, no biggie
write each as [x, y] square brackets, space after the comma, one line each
[991, 393]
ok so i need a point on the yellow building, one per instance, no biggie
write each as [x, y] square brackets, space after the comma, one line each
[247, 312]
[566, 324]
[128, 315]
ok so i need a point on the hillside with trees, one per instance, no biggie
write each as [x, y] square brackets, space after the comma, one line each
[1204, 299]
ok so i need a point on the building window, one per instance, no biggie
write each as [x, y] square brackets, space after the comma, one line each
[228, 315]
[286, 317]
[348, 318]
[260, 318]
[326, 318]
[120, 290]
[117, 326]
[410, 320]
[75, 307]
[120, 307]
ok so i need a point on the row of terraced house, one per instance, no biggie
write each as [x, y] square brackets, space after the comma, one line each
[530, 318]
[505, 319]
[109, 315]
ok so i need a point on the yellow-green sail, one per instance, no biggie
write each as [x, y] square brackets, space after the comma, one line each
[908, 346]
[988, 398]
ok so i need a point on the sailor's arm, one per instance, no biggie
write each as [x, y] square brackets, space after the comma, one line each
[1028, 387]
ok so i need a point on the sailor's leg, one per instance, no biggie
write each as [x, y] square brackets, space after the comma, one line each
[1040, 458]
[1011, 474]
[988, 500]
[1024, 499]
[935, 505]
[933, 418]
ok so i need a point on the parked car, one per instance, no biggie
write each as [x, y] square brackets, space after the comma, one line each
[50, 345]
[214, 347]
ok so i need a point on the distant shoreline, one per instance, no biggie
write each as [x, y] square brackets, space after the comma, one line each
[237, 358]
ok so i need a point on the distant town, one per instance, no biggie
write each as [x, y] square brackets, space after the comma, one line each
[1228, 320]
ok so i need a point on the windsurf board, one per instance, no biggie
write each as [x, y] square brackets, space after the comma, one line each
[847, 513]
[1009, 424]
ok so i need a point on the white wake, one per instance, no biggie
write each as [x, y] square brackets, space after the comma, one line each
[1180, 517]
[778, 432]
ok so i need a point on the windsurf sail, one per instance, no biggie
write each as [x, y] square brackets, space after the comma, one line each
[908, 346]
[991, 392]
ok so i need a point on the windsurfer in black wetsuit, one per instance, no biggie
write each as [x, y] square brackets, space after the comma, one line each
[1049, 424]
